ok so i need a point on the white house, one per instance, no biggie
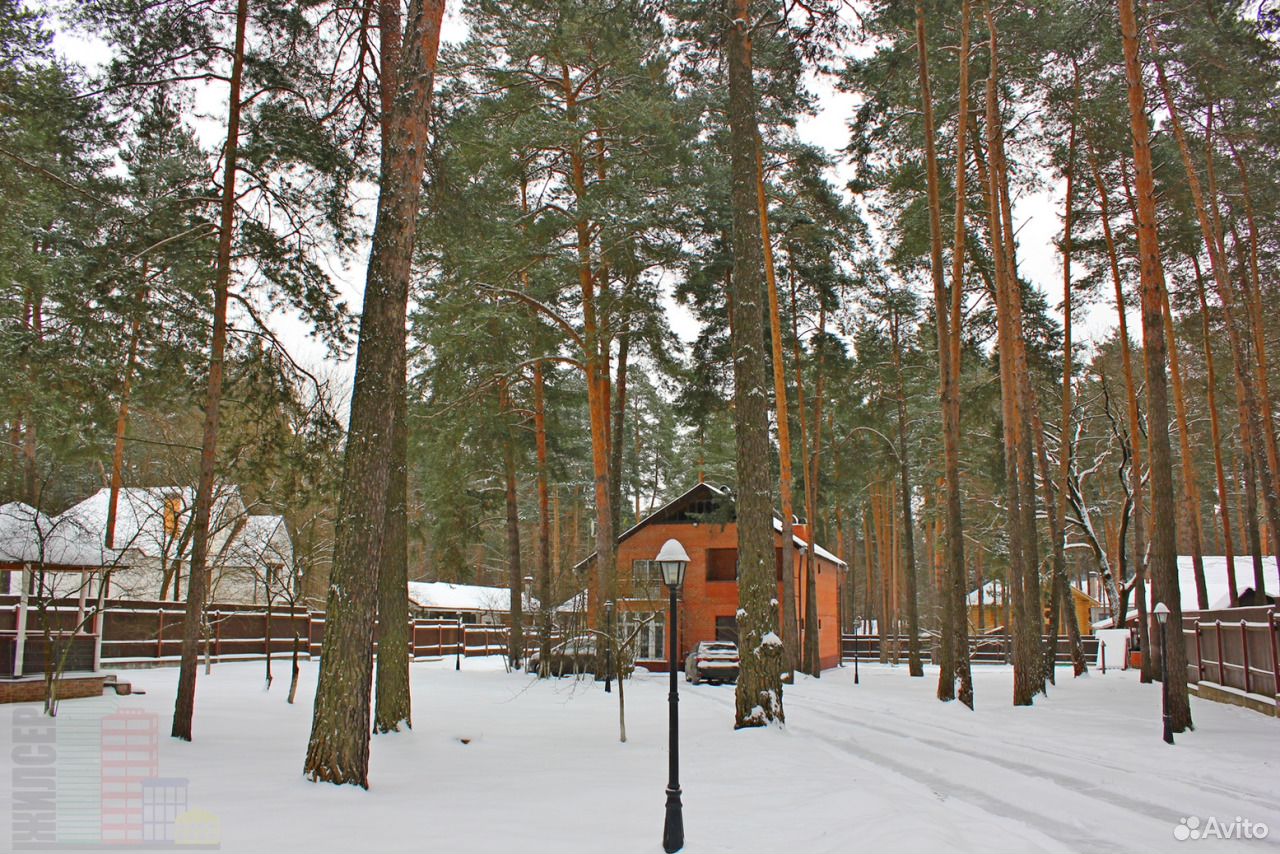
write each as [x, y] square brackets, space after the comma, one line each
[148, 551]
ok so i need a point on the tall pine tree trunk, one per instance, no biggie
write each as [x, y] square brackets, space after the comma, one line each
[515, 574]
[1135, 431]
[544, 519]
[393, 704]
[198, 583]
[338, 750]
[954, 643]
[1026, 658]
[914, 664]
[1215, 430]
[393, 701]
[1164, 573]
[759, 688]
[790, 623]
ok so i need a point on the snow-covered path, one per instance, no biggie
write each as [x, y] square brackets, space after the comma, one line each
[877, 766]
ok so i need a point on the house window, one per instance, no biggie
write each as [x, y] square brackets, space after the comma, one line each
[643, 632]
[172, 510]
[722, 564]
[727, 629]
[645, 574]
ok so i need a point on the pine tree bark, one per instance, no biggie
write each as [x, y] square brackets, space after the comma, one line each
[544, 519]
[1215, 430]
[1028, 670]
[198, 583]
[393, 703]
[122, 419]
[1135, 431]
[759, 688]
[1191, 490]
[954, 643]
[338, 750]
[790, 622]
[1057, 510]
[515, 573]
[1163, 546]
[914, 665]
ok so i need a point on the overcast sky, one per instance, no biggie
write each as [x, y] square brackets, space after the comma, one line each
[1036, 215]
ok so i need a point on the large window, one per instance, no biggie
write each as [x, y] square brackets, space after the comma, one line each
[644, 631]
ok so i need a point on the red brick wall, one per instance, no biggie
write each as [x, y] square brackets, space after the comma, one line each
[702, 600]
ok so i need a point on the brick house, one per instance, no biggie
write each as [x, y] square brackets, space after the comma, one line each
[702, 520]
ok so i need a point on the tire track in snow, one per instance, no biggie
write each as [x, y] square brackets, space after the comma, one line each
[1040, 771]
[1074, 837]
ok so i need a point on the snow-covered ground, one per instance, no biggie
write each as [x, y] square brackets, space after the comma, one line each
[498, 761]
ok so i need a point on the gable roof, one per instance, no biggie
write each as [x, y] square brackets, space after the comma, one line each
[140, 516]
[701, 500]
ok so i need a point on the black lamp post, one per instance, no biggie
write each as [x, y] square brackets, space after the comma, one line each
[462, 641]
[857, 647]
[608, 647]
[1162, 617]
[673, 560]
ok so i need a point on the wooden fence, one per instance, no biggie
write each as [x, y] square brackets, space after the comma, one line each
[1237, 649]
[138, 633]
[983, 649]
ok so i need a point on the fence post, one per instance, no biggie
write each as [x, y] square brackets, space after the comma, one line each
[1217, 630]
[1275, 656]
[1244, 647]
[160, 634]
[217, 634]
[1199, 653]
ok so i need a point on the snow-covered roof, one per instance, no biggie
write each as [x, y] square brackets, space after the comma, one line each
[29, 536]
[260, 540]
[443, 596]
[149, 522]
[141, 516]
[721, 492]
[1216, 581]
[817, 549]
[575, 604]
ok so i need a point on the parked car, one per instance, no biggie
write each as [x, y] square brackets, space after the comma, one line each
[576, 655]
[712, 661]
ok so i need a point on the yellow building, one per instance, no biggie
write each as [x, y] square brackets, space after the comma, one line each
[989, 607]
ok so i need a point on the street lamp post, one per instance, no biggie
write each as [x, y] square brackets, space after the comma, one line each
[1162, 617]
[462, 641]
[857, 647]
[608, 647]
[673, 560]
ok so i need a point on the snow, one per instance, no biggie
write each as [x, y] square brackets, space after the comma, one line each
[30, 536]
[1216, 581]
[575, 604]
[878, 766]
[771, 639]
[992, 591]
[1114, 643]
[442, 596]
[817, 549]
